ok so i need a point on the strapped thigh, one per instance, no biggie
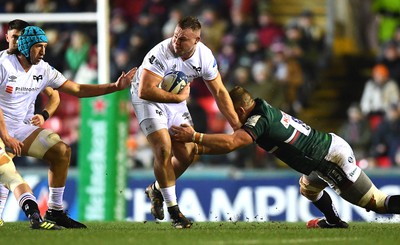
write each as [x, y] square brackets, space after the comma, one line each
[8, 174]
[42, 143]
[364, 193]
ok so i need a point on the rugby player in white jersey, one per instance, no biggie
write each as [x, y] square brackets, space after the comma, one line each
[22, 77]
[323, 159]
[13, 32]
[157, 110]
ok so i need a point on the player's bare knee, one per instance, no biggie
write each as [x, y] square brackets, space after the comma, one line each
[163, 154]
[60, 153]
[63, 150]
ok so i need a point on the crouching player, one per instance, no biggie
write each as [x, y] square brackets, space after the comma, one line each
[324, 159]
[12, 180]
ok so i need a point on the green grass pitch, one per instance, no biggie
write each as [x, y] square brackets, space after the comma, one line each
[98, 233]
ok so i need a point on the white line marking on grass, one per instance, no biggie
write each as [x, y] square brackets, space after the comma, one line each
[326, 239]
[290, 241]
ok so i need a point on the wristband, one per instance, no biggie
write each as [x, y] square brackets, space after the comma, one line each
[194, 136]
[45, 114]
[201, 138]
[197, 137]
[199, 149]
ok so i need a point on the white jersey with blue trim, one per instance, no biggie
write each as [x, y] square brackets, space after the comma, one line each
[19, 89]
[161, 59]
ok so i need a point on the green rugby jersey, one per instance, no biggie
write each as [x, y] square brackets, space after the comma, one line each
[288, 138]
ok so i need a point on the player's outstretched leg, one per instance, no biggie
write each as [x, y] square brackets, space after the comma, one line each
[322, 223]
[61, 218]
[179, 221]
[157, 201]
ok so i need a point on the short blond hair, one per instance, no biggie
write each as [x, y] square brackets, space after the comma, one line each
[240, 97]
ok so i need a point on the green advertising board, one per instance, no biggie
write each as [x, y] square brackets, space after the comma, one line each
[102, 157]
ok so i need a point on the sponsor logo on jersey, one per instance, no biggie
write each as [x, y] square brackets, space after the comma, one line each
[37, 78]
[215, 63]
[285, 120]
[252, 121]
[351, 174]
[9, 89]
[12, 79]
[156, 62]
[22, 90]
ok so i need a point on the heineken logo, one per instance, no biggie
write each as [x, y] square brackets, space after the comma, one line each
[95, 191]
[99, 106]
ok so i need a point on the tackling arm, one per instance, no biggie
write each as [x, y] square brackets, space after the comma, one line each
[223, 101]
[214, 143]
[149, 90]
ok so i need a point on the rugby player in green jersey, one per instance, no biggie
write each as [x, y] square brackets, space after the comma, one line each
[324, 159]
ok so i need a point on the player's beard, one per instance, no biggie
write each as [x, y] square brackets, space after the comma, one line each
[186, 54]
[182, 53]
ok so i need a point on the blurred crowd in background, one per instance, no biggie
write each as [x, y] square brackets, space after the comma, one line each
[281, 63]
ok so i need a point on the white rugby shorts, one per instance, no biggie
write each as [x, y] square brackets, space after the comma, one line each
[20, 130]
[155, 116]
[341, 153]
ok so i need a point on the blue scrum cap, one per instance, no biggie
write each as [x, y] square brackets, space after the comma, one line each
[30, 35]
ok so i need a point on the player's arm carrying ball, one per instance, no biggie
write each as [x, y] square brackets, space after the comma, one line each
[149, 89]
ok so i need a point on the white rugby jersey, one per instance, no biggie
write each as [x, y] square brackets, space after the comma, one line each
[162, 60]
[3, 55]
[19, 89]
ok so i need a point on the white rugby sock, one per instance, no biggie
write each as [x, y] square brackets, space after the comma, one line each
[56, 198]
[169, 196]
[3, 199]
[156, 185]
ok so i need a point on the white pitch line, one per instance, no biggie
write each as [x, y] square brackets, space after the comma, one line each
[290, 241]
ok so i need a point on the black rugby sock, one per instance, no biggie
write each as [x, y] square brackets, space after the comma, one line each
[393, 204]
[31, 209]
[325, 205]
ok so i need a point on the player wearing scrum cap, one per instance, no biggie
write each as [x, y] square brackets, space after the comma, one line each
[13, 32]
[22, 77]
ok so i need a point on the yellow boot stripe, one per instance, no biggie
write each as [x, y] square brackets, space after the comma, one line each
[47, 225]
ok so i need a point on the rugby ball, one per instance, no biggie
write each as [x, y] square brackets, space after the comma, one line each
[174, 82]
